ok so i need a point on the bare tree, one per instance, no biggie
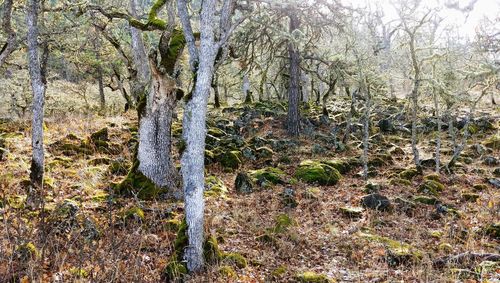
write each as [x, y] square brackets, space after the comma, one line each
[202, 61]
[10, 44]
[38, 86]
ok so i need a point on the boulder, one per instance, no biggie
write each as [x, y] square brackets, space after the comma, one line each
[267, 176]
[431, 187]
[315, 172]
[243, 183]
[377, 202]
[230, 159]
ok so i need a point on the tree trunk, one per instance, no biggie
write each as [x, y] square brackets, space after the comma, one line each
[38, 87]
[194, 129]
[293, 119]
[143, 73]
[10, 45]
[246, 89]
[215, 86]
[350, 115]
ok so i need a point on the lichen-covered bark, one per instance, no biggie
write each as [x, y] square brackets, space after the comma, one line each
[38, 88]
[154, 150]
[194, 135]
[10, 44]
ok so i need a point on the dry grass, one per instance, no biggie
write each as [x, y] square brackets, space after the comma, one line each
[323, 240]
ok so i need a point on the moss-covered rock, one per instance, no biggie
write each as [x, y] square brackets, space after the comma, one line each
[227, 272]
[137, 184]
[351, 211]
[243, 183]
[408, 174]
[79, 272]
[376, 201]
[431, 187]
[230, 159]
[342, 166]
[400, 182]
[397, 253]
[264, 152]
[268, 175]
[433, 177]
[315, 172]
[134, 213]
[312, 277]
[235, 259]
[215, 187]
[279, 271]
[493, 142]
[425, 200]
[312, 193]
[99, 136]
[470, 196]
[480, 187]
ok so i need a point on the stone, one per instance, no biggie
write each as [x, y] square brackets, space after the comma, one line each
[377, 202]
[243, 183]
[264, 152]
[351, 211]
[314, 172]
[371, 188]
[425, 200]
[495, 182]
[312, 277]
[230, 159]
[267, 176]
[408, 174]
[385, 125]
[490, 161]
[431, 187]
[468, 196]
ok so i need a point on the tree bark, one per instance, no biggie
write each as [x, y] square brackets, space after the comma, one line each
[10, 44]
[293, 119]
[215, 86]
[140, 58]
[38, 87]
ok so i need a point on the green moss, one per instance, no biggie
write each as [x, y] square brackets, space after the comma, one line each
[79, 272]
[230, 159]
[264, 152]
[26, 251]
[268, 174]
[434, 177]
[425, 200]
[101, 135]
[397, 253]
[133, 213]
[172, 224]
[215, 187]
[227, 272]
[399, 182]
[480, 187]
[312, 277]
[175, 46]
[279, 272]
[137, 184]
[431, 187]
[216, 132]
[341, 165]
[100, 196]
[174, 271]
[211, 250]
[317, 173]
[153, 15]
[468, 196]
[408, 174]
[235, 259]
[283, 222]
[493, 142]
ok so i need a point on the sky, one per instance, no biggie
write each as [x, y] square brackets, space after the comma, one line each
[467, 24]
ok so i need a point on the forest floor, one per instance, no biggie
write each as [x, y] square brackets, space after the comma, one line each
[285, 231]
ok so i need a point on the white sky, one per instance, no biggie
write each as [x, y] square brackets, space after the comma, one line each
[489, 8]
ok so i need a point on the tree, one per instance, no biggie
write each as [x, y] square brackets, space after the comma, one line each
[10, 44]
[213, 37]
[154, 85]
[38, 86]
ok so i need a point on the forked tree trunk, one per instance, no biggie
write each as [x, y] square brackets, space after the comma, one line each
[10, 44]
[38, 87]
[293, 120]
